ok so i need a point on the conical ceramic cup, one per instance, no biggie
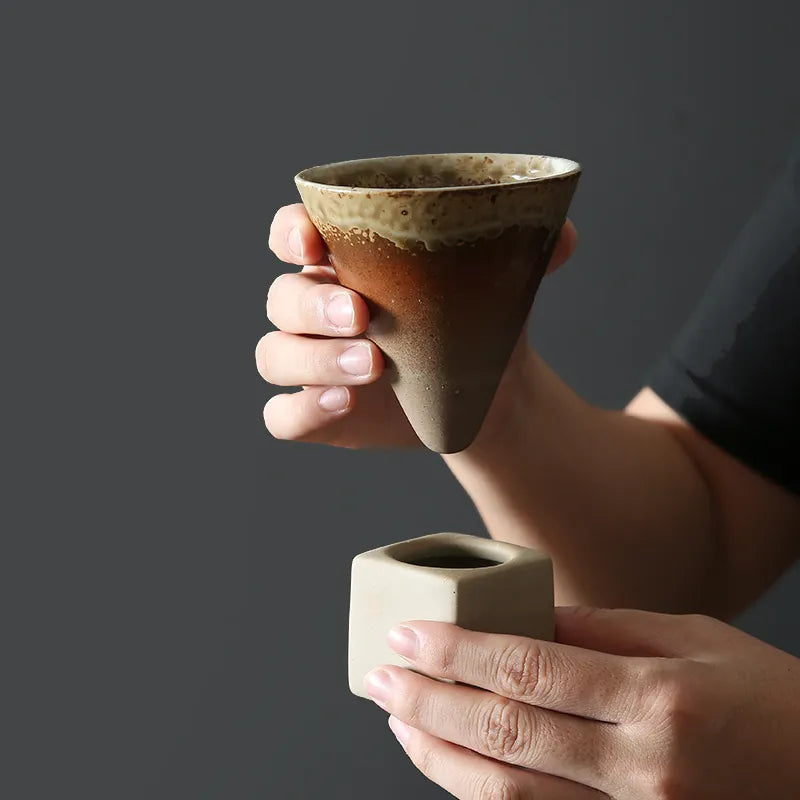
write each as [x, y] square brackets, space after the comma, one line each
[448, 251]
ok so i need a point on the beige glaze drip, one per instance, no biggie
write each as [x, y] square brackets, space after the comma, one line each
[437, 201]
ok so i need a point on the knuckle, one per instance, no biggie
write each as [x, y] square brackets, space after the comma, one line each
[677, 691]
[323, 361]
[505, 731]
[444, 656]
[497, 787]
[424, 759]
[700, 624]
[413, 707]
[669, 784]
[684, 702]
[646, 686]
[526, 670]
[312, 305]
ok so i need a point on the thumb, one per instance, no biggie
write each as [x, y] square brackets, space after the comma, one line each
[628, 632]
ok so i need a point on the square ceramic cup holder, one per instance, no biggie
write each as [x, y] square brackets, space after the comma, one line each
[476, 583]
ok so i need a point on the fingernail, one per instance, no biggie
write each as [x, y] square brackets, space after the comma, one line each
[334, 399]
[340, 311]
[378, 684]
[400, 730]
[404, 641]
[356, 360]
[295, 242]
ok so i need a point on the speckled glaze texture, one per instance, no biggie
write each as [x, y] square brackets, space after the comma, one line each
[448, 251]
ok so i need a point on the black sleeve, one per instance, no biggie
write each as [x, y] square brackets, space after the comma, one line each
[733, 372]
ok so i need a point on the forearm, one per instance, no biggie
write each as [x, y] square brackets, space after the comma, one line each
[615, 500]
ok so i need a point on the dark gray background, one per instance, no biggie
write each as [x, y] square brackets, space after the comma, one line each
[177, 619]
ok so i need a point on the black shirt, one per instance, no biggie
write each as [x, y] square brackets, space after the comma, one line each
[733, 373]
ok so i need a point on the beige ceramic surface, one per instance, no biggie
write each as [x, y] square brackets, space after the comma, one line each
[448, 251]
[410, 200]
[391, 585]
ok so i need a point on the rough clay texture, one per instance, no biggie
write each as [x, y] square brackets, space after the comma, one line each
[513, 597]
[446, 310]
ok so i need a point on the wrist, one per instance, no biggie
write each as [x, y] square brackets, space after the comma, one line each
[516, 470]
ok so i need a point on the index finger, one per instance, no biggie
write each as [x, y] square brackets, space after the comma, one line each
[293, 237]
[549, 675]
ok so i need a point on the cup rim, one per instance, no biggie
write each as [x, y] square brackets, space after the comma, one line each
[570, 168]
[405, 552]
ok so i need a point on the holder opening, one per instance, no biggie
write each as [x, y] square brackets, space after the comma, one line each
[450, 558]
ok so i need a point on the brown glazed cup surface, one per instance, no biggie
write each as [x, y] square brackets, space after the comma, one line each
[448, 251]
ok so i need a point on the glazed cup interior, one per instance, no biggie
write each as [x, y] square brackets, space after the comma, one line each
[437, 171]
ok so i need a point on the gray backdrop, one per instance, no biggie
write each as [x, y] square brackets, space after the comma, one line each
[177, 627]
